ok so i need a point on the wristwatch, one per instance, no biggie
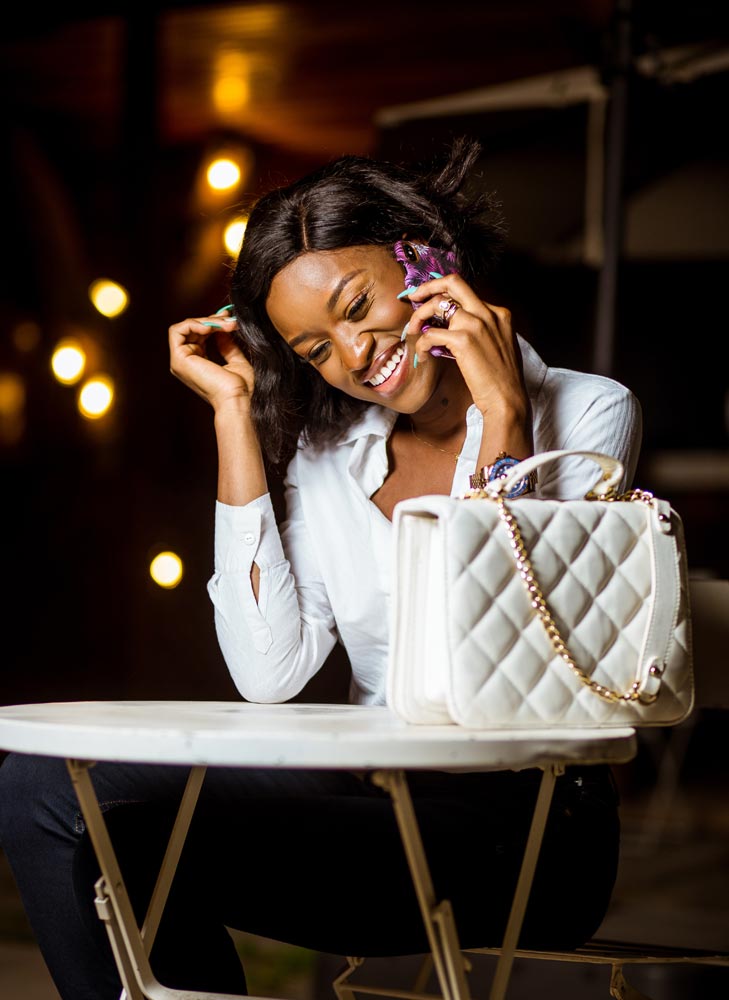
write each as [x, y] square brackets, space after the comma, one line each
[498, 470]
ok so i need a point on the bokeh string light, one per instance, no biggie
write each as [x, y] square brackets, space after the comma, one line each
[166, 570]
[223, 174]
[68, 361]
[108, 297]
[95, 397]
[234, 233]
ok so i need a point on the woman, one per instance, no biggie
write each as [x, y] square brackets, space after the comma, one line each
[333, 369]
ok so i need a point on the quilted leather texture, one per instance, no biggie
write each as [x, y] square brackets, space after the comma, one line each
[593, 562]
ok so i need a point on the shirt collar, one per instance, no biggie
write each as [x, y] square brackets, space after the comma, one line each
[376, 420]
[535, 370]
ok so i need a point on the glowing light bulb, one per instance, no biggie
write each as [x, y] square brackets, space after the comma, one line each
[233, 235]
[95, 397]
[166, 570]
[223, 174]
[68, 361]
[109, 297]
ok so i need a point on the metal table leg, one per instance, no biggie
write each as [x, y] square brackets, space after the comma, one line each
[449, 961]
[438, 917]
[113, 904]
[524, 884]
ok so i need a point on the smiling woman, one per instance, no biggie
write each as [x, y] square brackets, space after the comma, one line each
[345, 219]
[327, 366]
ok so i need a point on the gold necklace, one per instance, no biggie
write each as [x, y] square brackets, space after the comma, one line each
[435, 447]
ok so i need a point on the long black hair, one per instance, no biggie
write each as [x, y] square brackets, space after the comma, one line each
[351, 201]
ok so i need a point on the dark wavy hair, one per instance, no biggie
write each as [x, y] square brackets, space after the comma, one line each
[351, 201]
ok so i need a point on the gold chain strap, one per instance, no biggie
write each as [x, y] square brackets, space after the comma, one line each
[536, 598]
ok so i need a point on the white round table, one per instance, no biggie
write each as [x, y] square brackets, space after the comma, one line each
[289, 735]
[220, 733]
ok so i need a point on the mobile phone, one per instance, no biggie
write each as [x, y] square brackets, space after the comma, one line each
[418, 261]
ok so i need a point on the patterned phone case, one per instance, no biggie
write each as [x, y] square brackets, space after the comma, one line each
[418, 261]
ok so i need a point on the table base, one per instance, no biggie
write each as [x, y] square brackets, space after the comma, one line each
[131, 945]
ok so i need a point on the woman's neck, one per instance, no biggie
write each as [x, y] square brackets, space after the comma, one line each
[444, 415]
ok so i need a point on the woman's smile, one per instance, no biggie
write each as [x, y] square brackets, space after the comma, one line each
[388, 370]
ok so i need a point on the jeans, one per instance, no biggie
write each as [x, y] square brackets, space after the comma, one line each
[312, 858]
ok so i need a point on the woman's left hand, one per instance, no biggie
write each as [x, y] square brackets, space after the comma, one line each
[480, 338]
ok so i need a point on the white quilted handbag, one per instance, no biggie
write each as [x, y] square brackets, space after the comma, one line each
[533, 613]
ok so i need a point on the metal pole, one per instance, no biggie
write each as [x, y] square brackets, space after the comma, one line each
[616, 129]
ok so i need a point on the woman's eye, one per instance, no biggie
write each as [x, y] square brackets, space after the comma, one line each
[357, 309]
[318, 353]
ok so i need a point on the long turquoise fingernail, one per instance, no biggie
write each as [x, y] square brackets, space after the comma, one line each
[408, 291]
[435, 274]
[209, 322]
[404, 333]
[415, 361]
[224, 308]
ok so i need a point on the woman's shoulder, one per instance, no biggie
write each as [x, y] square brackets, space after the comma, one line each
[583, 410]
[585, 387]
[554, 385]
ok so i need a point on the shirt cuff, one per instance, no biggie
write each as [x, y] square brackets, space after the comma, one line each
[246, 534]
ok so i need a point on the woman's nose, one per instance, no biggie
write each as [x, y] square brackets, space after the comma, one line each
[356, 350]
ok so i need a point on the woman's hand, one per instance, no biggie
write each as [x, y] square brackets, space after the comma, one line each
[480, 338]
[218, 384]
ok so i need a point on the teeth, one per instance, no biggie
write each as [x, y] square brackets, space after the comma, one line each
[387, 369]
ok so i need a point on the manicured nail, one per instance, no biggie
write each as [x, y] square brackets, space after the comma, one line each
[404, 333]
[224, 308]
[434, 274]
[408, 291]
[415, 361]
[209, 322]
[425, 327]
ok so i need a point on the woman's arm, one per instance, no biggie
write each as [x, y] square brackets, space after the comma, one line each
[480, 338]
[275, 639]
[228, 389]
[273, 634]
[241, 474]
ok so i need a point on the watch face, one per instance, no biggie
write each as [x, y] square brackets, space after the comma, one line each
[500, 469]
[501, 466]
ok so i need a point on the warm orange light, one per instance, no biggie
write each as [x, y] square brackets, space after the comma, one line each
[231, 84]
[233, 235]
[95, 397]
[12, 407]
[109, 297]
[166, 570]
[223, 174]
[68, 361]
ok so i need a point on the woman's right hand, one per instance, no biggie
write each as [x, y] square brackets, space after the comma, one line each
[218, 384]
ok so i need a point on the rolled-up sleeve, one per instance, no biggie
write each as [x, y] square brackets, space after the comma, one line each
[272, 646]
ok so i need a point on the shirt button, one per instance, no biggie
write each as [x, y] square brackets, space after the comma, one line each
[249, 538]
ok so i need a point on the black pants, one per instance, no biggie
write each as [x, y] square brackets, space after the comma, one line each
[312, 858]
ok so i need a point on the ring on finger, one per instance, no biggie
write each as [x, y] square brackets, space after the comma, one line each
[448, 307]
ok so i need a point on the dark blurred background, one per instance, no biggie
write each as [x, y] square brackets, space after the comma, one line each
[604, 135]
[604, 132]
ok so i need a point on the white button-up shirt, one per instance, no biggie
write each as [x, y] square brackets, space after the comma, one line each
[325, 573]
